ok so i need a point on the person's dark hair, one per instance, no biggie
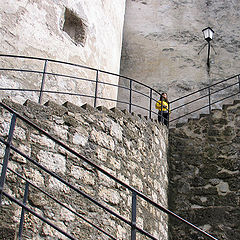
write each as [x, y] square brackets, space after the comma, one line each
[164, 98]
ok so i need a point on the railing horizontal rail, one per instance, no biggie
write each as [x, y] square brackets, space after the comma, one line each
[185, 104]
[20, 89]
[47, 73]
[202, 89]
[224, 88]
[206, 95]
[99, 169]
[184, 115]
[76, 65]
[48, 59]
[57, 201]
[72, 77]
[68, 93]
[133, 100]
[213, 94]
[98, 94]
[224, 98]
[198, 109]
[37, 215]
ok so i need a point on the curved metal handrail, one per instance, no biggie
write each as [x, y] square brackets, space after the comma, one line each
[210, 97]
[95, 96]
[176, 105]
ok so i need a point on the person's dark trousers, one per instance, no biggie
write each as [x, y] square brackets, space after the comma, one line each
[163, 117]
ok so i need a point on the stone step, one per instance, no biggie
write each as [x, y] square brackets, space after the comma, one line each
[104, 109]
[225, 106]
[178, 125]
[16, 106]
[36, 110]
[57, 109]
[207, 115]
[117, 111]
[193, 119]
[73, 107]
[202, 115]
[88, 107]
[236, 102]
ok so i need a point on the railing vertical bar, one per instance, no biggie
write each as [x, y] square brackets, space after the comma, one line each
[23, 211]
[130, 96]
[162, 120]
[43, 82]
[7, 154]
[150, 104]
[96, 89]
[168, 114]
[239, 82]
[209, 100]
[134, 215]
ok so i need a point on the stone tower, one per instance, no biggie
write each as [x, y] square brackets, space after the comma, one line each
[82, 32]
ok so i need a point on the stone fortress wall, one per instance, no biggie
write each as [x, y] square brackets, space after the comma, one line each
[83, 32]
[162, 42]
[131, 148]
[160, 48]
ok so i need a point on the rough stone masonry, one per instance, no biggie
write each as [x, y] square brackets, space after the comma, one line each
[131, 148]
[204, 183]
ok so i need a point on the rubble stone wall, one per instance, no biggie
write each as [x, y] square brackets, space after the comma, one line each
[131, 148]
[204, 181]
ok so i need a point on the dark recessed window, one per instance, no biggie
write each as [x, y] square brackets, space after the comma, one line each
[74, 27]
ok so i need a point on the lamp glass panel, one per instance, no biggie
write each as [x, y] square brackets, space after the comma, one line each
[208, 33]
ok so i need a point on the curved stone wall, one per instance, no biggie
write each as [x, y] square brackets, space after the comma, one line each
[77, 31]
[129, 147]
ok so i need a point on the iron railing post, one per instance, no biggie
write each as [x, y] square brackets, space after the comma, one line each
[23, 211]
[7, 154]
[43, 82]
[168, 114]
[134, 215]
[130, 96]
[96, 89]
[150, 104]
[162, 120]
[209, 99]
[239, 82]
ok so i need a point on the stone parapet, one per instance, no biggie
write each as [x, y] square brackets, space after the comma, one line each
[132, 149]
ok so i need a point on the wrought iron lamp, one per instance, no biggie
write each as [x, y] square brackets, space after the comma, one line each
[208, 35]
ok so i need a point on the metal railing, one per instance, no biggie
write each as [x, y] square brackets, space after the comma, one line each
[205, 99]
[136, 195]
[96, 79]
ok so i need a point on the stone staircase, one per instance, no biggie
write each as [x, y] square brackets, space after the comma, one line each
[214, 112]
[204, 167]
[51, 107]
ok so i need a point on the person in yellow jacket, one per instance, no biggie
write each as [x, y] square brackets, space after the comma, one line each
[163, 109]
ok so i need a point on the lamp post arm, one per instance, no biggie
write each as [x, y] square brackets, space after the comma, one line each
[202, 48]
